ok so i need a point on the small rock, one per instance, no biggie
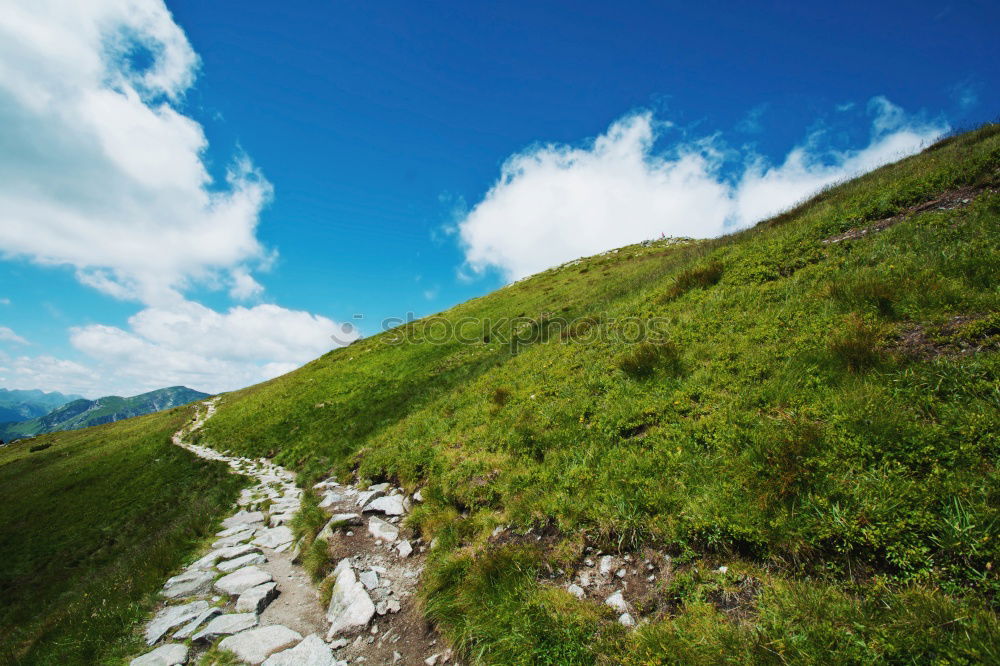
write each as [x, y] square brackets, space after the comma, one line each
[620, 573]
[418, 496]
[432, 660]
[396, 657]
[172, 654]
[380, 529]
[617, 602]
[722, 570]
[350, 606]
[589, 562]
[192, 626]
[230, 566]
[367, 496]
[242, 580]
[274, 537]
[404, 548]
[173, 616]
[650, 578]
[222, 625]
[626, 620]
[256, 599]
[243, 518]
[391, 505]
[256, 645]
[339, 643]
[330, 498]
[312, 651]
[607, 563]
[392, 605]
[576, 591]
[188, 584]
[369, 579]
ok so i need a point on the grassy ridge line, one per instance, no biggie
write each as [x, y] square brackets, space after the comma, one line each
[93, 522]
[782, 423]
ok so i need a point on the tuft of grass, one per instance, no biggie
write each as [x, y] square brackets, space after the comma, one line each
[856, 343]
[697, 277]
[643, 359]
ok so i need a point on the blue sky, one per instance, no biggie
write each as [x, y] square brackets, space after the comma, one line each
[201, 192]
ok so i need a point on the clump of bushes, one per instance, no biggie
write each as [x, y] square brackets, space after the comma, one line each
[698, 277]
[500, 397]
[643, 359]
[856, 344]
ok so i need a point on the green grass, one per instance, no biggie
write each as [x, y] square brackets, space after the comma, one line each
[92, 525]
[772, 416]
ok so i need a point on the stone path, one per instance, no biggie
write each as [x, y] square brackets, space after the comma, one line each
[248, 594]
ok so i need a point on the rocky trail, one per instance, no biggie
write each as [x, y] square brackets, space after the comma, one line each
[250, 591]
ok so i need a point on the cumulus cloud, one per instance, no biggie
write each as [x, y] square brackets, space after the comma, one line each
[103, 170]
[553, 203]
[8, 335]
[192, 345]
[99, 167]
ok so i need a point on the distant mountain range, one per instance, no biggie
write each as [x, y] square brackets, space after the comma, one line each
[72, 412]
[23, 405]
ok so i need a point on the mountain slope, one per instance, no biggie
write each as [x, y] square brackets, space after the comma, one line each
[83, 413]
[814, 407]
[91, 526]
[18, 405]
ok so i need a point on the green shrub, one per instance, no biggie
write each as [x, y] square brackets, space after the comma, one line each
[855, 344]
[644, 358]
[698, 277]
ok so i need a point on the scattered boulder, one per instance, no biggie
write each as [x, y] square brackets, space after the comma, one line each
[172, 616]
[242, 580]
[256, 645]
[312, 651]
[256, 599]
[367, 496]
[576, 591]
[626, 620]
[172, 654]
[188, 584]
[380, 529]
[330, 498]
[351, 609]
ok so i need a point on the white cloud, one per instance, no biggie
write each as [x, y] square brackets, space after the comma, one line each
[187, 344]
[553, 203]
[4, 301]
[8, 335]
[99, 167]
[48, 373]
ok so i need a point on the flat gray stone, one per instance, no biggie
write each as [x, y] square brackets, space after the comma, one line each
[256, 599]
[256, 645]
[172, 616]
[351, 609]
[367, 496]
[312, 651]
[390, 505]
[369, 579]
[331, 498]
[274, 537]
[243, 518]
[223, 625]
[188, 584]
[404, 548]
[232, 565]
[576, 591]
[380, 529]
[172, 654]
[235, 539]
[242, 580]
[192, 626]
[617, 602]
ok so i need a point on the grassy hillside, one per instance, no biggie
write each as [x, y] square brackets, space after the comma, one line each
[821, 417]
[82, 413]
[91, 527]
